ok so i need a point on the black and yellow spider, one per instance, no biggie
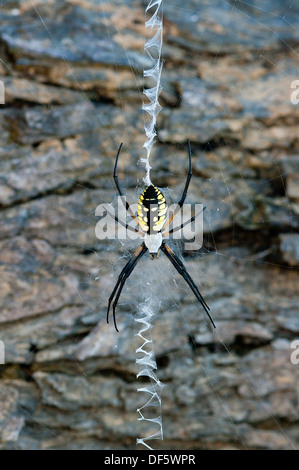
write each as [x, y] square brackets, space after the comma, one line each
[150, 220]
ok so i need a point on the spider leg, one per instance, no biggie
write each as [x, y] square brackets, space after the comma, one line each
[115, 177]
[183, 272]
[176, 229]
[125, 273]
[182, 200]
[178, 263]
[189, 176]
[127, 226]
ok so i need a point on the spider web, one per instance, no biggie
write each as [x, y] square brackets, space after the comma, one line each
[223, 264]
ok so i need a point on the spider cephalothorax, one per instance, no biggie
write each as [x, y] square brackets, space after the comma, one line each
[151, 223]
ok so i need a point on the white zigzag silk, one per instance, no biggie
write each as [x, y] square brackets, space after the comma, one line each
[145, 357]
[147, 365]
[153, 47]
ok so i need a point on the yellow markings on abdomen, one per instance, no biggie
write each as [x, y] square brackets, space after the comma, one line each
[151, 210]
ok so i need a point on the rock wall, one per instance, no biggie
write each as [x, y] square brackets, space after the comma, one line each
[72, 72]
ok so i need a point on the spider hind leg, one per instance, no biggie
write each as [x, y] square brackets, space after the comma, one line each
[125, 273]
[179, 266]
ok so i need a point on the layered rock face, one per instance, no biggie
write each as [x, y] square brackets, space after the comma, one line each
[72, 72]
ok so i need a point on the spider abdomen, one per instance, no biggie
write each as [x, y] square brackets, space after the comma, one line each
[152, 210]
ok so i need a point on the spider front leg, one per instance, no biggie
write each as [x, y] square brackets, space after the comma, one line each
[179, 266]
[127, 270]
[124, 224]
[115, 177]
[184, 195]
[184, 224]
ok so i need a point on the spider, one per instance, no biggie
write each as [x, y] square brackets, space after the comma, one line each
[151, 224]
